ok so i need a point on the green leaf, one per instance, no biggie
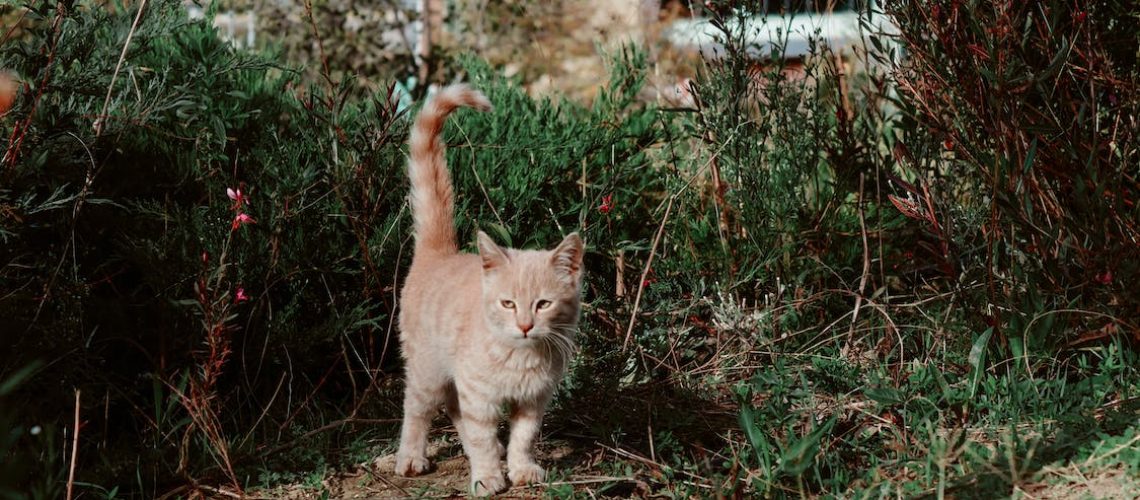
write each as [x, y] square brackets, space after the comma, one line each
[762, 448]
[801, 455]
[977, 359]
[885, 396]
[498, 233]
[979, 348]
[10, 384]
[1029, 157]
[878, 44]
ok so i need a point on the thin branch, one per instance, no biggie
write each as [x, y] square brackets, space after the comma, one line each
[866, 266]
[74, 449]
[330, 425]
[115, 76]
[645, 272]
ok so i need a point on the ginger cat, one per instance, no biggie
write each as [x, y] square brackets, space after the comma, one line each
[478, 331]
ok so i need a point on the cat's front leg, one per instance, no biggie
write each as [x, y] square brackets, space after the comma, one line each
[421, 403]
[479, 422]
[526, 422]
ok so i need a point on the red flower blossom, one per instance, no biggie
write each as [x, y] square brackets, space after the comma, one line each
[240, 296]
[1104, 278]
[240, 220]
[239, 197]
[650, 278]
[607, 204]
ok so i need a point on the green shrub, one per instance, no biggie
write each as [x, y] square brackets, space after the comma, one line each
[1026, 111]
[129, 269]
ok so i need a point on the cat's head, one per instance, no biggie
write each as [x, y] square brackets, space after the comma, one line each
[531, 297]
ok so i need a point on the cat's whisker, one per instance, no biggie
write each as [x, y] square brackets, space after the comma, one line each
[565, 346]
[549, 349]
[566, 332]
[551, 342]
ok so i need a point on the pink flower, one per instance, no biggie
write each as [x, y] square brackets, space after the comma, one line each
[607, 204]
[241, 220]
[240, 296]
[238, 197]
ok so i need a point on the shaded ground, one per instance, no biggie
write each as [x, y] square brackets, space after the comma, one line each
[450, 475]
[600, 442]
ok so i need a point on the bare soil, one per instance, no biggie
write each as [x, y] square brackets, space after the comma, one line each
[449, 477]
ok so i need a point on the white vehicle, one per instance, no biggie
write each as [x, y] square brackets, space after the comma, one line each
[790, 24]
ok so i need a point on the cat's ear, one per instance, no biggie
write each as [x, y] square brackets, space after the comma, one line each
[567, 257]
[492, 254]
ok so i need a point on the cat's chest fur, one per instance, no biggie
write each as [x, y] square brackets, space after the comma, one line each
[520, 374]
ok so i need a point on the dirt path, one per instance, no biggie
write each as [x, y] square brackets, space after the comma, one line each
[449, 476]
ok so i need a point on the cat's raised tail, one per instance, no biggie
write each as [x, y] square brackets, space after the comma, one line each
[433, 197]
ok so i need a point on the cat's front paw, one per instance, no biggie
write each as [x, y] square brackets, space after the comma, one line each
[488, 484]
[408, 466]
[527, 474]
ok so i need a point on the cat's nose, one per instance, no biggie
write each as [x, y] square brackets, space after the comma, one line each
[526, 328]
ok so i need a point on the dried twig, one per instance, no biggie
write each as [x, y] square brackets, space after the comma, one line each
[320, 49]
[74, 449]
[621, 452]
[118, 66]
[866, 267]
[645, 272]
[330, 425]
[382, 479]
[12, 29]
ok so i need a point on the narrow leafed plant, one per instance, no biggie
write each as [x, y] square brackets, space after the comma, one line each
[1034, 106]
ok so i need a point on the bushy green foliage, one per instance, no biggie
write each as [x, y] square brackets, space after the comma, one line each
[128, 271]
[548, 165]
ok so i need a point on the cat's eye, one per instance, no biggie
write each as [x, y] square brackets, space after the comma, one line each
[542, 304]
[509, 304]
